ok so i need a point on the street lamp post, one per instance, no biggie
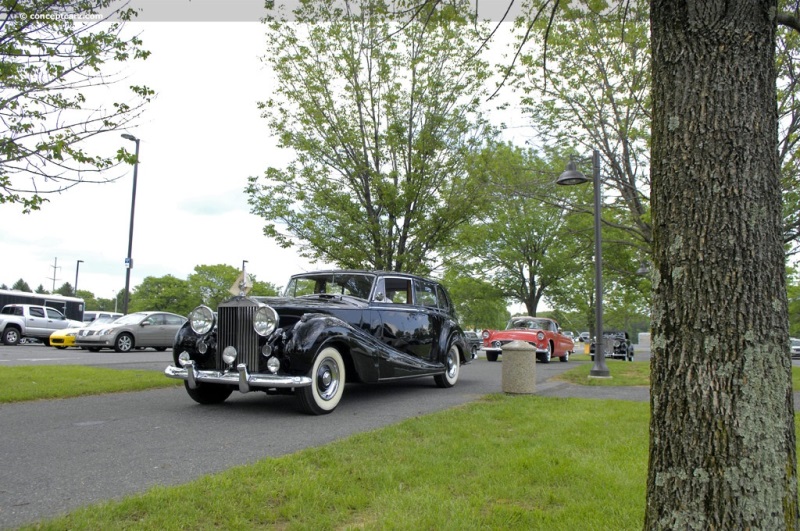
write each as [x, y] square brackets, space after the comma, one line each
[77, 268]
[129, 259]
[572, 176]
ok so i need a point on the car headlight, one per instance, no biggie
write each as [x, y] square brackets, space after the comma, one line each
[485, 334]
[265, 321]
[105, 332]
[540, 335]
[202, 320]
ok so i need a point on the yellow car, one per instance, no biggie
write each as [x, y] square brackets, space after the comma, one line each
[63, 338]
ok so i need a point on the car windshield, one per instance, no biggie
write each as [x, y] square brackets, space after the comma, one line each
[796, 342]
[353, 284]
[532, 324]
[131, 318]
[102, 321]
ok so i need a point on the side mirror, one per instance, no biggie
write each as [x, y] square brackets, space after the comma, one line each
[380, 297]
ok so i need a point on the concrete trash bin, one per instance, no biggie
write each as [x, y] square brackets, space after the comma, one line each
[519, 368]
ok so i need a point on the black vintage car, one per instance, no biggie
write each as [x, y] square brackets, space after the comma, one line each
[620, 345]
[329, 328]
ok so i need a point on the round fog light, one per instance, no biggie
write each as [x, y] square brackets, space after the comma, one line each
[184, 358]
[202, 346]
[229, 355]
[273, 364]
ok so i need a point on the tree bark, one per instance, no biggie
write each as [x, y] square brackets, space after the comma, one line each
[722, 439]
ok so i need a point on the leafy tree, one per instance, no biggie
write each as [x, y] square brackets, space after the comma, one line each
[479, 304]
[21, 285]
[41, 290]
[522, 245]
[212, 284]
[54, 55]
[65, 289]
[3, 286]
[166, 293]
[596, 95]
[381, 110]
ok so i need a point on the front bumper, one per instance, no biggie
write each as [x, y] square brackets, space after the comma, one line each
[94, 341]
[541, 351]
[241, 377]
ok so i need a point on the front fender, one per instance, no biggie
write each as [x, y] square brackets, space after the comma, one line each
[314, 330]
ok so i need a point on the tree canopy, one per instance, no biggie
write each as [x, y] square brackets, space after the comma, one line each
[382, 110]
[55, 54]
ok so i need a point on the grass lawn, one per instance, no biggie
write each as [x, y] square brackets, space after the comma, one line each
[626, 373]
[502, 462]
[20, 383]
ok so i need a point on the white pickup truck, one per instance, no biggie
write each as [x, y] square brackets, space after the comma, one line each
[29, 320]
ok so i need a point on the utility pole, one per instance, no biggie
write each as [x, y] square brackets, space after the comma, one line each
[54, 266]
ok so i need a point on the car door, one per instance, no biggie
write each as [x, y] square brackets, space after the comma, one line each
[55, 320]
[36, 322]
[150, 331]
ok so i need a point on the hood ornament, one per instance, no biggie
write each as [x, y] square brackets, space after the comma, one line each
[243, 283]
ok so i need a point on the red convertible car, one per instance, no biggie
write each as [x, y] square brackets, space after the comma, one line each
[542, 333]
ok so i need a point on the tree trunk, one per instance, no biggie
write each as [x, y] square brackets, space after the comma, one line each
[722, 441]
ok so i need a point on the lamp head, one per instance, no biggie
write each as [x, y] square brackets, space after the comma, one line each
[571, 176]
[127, 136]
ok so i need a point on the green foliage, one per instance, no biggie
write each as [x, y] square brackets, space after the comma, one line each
[523, 242]
[595, 94]
[53, 56]
[381, 110]
[166, 293]
[21, 285]
[479, 304]
[212, 284]
[65, 290]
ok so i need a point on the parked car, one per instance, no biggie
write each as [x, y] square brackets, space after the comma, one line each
[475, 343]
[621, 347]
[794, 343]
[65, 338]
[90, 315]
[584, 337]
[542, 333]
[20, 322]
[135, 330]
[329, 328]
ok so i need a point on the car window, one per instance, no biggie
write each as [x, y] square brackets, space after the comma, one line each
[443, 299]
[395, 290]
[37, 312]
[352, 284]
[173, 320]
[55, 314]
[425, 293]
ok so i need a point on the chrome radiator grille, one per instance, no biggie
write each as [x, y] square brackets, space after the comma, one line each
[235, 328]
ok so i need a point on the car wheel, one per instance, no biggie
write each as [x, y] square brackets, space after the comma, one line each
[491, 356]
[549, 354]
[123, 343]
[474, 351]
[208, 394]
[11, 336]
[327, 383]
[61, 348]
[565, 357]
[452, 369]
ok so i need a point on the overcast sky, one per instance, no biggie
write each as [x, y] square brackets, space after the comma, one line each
[201, 138]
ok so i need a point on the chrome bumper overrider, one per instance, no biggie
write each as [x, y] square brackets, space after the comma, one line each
[240, 377]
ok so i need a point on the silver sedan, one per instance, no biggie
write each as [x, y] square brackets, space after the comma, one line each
[135, 330]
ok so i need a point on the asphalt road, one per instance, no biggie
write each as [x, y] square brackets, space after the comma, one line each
[58, 455]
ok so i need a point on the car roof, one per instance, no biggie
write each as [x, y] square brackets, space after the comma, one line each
[377, 273]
